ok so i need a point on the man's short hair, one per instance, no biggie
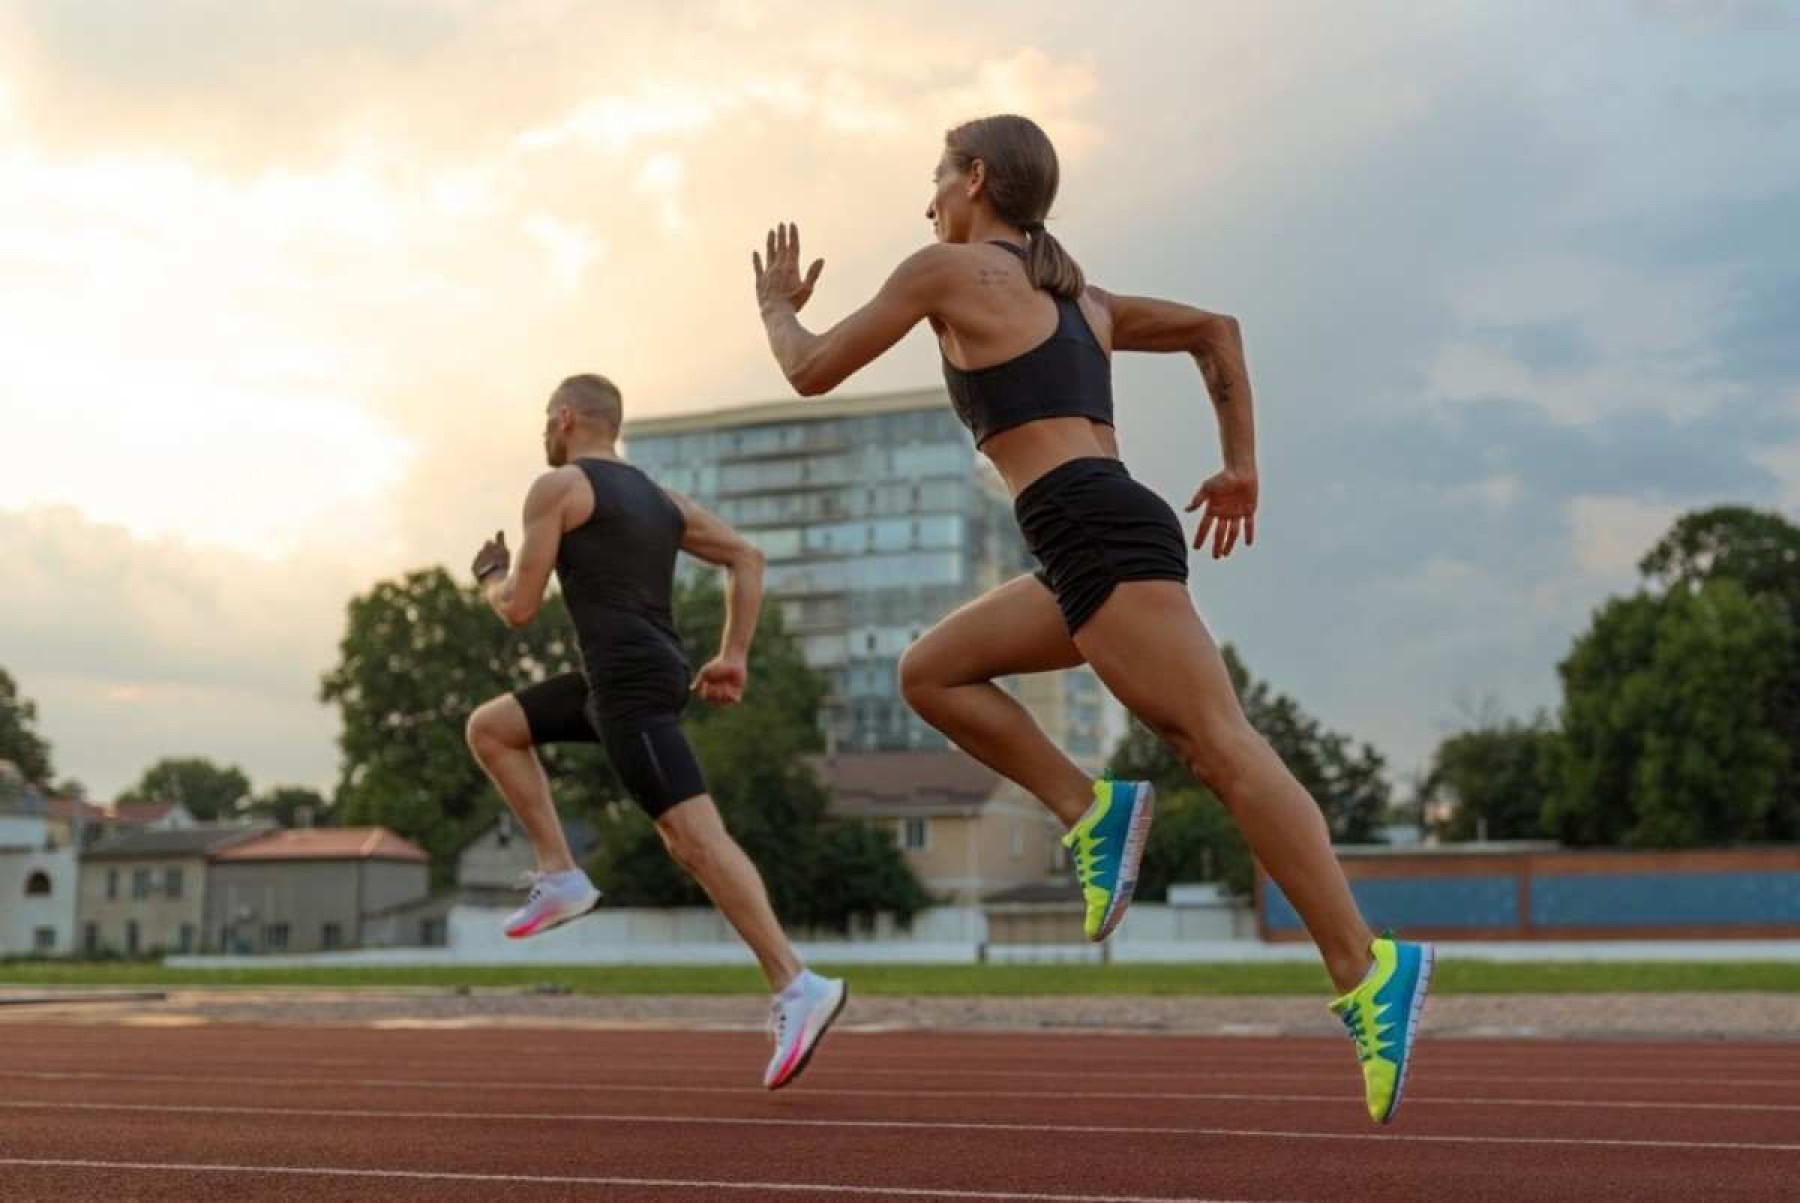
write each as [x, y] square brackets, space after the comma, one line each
[593, 398]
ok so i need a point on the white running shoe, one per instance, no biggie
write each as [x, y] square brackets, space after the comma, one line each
[555, 899]
[798, 1017]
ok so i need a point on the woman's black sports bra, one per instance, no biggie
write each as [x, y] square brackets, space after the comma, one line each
[1065, 376]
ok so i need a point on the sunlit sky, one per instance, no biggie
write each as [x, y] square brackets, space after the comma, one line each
[283, 287]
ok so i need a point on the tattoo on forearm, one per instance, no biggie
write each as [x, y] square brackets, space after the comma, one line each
[1219, 380]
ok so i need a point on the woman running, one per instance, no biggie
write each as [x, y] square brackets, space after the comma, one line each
[1026, 345]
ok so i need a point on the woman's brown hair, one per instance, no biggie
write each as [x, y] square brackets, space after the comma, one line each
[1020, 178]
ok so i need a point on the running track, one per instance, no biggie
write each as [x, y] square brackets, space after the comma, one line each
[511, 1114]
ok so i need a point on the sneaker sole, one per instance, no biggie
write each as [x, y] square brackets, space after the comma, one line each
[1144, 810]
[556, 923]
[1414, 1014]
[807, 1056]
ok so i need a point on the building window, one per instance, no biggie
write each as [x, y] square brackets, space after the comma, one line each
[914, 834]
[187, 938]
[112, 885]
[431, 933]
[275, 937]
[38, 885]
[172, 883]
[90, 939]
[131, 938]
[43, 939]
[332, 936]
[140, 883]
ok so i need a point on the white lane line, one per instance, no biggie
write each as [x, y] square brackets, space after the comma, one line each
[1202, 1075]
[687, 1184]
[614, 1088]
[722, 1121]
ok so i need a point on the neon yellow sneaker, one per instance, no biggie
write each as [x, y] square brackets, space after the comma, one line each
[1107, 843]
[1382, 1015]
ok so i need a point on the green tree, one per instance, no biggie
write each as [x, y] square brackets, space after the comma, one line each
[1760, 551]
[1669, 724]
[820, 871]
[19, 740]
[1194, 839]
[419, 654]
[286, 805]
[209, 791]
[417, 657]
[1496, 776]
[1348, 782]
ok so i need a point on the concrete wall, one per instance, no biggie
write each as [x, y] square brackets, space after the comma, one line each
[1566, 895]
[701, 935]
[253, 897]
[25, 918]
[251, 900]
[422, 924]
[23, 831]
[495, 858]
[389, 883]
[162, 918]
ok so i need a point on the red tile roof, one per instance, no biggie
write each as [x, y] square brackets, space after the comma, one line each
[327, 843]
[74, 808]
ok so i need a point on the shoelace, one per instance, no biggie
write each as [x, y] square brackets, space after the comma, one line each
[777, 1026]
[1353, 1020]
[536, 881]
[1084, 859]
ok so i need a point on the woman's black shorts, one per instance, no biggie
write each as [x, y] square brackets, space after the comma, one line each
[1091, 527]
[648, 751]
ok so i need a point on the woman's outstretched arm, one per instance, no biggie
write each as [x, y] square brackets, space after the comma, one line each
[818, 363]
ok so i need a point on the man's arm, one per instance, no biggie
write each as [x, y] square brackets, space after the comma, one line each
[710, 538]
[517, 595]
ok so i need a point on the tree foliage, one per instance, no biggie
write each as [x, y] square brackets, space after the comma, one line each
[820, 871]
[1495, 778]
[209, 791]
[1194, 839]
[418, 655]
[19, 740]
[421, 653]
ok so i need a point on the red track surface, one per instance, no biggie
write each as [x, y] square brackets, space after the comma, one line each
[266, 1113]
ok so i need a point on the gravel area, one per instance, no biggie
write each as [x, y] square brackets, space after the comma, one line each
[1726, 1015]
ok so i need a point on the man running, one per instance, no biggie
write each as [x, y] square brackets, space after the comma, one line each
[611, 534]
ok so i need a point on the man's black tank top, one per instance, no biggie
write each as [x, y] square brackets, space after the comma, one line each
[617, 571]
[1066, 375]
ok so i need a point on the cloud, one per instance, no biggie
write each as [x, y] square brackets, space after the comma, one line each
[287, 285]
[136, 648]
[1613, 533]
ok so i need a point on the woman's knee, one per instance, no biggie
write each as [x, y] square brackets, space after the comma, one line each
[919, 678]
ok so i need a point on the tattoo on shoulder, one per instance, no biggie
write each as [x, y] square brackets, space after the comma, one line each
[988, 277]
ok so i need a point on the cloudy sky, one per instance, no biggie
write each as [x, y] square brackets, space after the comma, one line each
[282, 287]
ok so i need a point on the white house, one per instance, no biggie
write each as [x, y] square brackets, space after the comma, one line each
[38, 882]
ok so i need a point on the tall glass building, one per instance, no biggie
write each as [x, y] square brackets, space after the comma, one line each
[877, 518]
